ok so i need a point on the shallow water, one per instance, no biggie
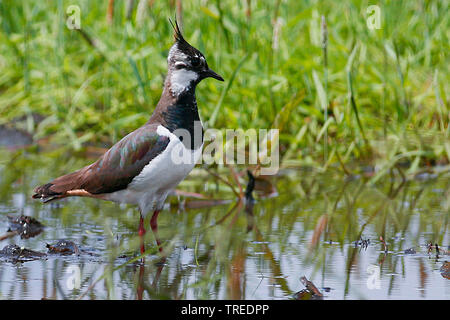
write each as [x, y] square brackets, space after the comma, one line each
[308, 228]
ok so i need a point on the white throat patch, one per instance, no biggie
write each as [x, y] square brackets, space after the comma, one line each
[181, 80]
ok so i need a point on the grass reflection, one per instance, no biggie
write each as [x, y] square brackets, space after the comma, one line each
[233, 250]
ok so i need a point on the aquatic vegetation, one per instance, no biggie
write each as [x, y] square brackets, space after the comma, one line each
[350, 93]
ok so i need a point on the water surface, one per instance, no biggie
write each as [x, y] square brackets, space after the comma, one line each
[309, 227]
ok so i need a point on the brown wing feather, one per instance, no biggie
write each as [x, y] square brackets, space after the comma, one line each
[113, 171]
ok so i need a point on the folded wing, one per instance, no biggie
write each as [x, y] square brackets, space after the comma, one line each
[111, 172]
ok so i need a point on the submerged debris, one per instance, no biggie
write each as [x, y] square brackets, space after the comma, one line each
[384, 244]
[445, 270]
[14, 253]
[25, 226]
[363, 243]
[430, 248]
[250, 201]
[410, 251]
[64, 247]
[310, 293]
[250, 187]
[264, 187]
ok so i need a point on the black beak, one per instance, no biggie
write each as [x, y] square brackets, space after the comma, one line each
[211, 74]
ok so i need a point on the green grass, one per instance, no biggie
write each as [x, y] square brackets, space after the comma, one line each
[386, 90]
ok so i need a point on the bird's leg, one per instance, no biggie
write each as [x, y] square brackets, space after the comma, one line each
[140, 287]
[160, 265]
[141, 232]
[154, 225]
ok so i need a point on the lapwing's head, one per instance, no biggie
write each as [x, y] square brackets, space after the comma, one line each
[187, 65]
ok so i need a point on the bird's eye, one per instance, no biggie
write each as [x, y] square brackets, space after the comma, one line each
[195, 61]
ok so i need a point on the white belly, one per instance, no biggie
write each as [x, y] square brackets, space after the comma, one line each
[150, 188]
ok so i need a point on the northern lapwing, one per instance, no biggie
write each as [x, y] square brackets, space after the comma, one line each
[144, 166]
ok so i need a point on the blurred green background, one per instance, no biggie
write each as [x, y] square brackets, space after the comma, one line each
[313, 69]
